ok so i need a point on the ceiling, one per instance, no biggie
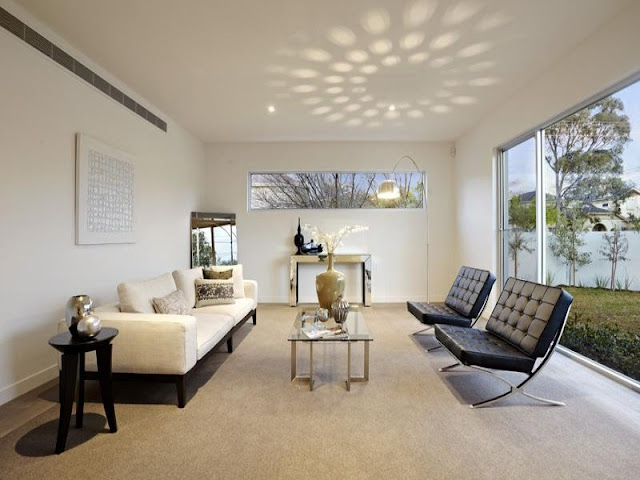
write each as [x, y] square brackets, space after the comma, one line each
[332, 69]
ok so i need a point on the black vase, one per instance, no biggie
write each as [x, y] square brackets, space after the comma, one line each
[298, 239]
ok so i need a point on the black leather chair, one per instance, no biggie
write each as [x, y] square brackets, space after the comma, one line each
[525, 326]
[464, 303]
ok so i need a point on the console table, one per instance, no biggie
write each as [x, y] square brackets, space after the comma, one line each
[362, 258]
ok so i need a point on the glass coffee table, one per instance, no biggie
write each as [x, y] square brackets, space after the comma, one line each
[356, 331]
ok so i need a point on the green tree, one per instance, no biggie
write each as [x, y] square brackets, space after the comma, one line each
[201, 251]
[615, 250]
[522, 218]
[584, 152]
[568, 239]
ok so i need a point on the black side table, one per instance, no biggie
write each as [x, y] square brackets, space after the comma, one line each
[73, 351]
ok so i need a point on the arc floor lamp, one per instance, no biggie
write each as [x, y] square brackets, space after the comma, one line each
[389, 190]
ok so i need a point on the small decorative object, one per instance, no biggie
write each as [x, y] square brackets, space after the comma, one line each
[340, 309]
[298, 239]
[81, 321]
[322, 315]
[89, 326]
[330, 284]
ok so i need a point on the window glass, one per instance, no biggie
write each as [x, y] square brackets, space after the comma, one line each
[322, 190]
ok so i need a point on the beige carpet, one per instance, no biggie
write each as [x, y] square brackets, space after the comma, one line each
[246, 420]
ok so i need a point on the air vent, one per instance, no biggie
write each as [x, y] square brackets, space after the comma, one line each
[37, 41]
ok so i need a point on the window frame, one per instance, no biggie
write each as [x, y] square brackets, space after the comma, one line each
[538, 133]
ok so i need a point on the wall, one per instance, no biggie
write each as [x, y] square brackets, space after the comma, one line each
[605, 58]
[42, 108]
[396, 239]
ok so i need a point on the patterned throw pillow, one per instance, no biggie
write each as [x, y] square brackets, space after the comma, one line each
[211, 274]
[175, 304]
[213, 292]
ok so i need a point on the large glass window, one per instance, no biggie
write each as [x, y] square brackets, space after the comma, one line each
[590, 231]
[519, 223]
[319, 190]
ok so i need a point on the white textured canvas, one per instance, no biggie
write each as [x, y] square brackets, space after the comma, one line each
[105, 201]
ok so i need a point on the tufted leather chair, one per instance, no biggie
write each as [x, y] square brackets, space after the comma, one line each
[525, 325]
[464, 303]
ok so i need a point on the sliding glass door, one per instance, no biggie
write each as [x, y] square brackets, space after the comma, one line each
[518, 230]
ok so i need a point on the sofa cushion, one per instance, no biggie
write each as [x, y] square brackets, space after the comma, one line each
[236, 276]
[213, 292]
[237, 310]
[137, 297]
[211, 274]
[172, 304]
[186, 283]
[211, 328]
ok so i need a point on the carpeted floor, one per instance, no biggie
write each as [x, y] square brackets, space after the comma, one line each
[246, 420]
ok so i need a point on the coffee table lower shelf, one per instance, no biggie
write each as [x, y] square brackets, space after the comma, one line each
[309, 378]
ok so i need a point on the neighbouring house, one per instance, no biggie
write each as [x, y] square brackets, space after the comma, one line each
[603, 214]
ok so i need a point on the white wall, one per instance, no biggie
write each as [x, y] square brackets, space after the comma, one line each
[396, 239]
[605, 58]
[42, 107]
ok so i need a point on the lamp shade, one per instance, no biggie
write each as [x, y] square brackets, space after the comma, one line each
[388, 190]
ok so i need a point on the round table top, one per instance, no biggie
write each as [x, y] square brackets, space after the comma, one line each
[65, 342]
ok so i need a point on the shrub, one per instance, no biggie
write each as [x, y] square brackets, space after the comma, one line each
[605, 344]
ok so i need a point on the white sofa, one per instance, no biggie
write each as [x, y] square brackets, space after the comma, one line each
[163, 347]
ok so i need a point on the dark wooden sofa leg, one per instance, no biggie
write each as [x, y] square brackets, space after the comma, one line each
[255, 316]
[230, 344]
[180, 386]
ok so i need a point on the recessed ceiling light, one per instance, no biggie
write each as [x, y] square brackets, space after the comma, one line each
[271, 109]
[392, 107]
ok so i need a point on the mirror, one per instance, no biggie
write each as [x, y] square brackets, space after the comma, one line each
[213, 239]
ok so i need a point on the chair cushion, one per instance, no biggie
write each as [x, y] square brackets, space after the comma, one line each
[478, 347]
[469, 291]
[528, 315]
[432, 313]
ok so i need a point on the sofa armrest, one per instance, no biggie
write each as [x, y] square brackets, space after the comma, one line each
[149, 343]
[251, 290]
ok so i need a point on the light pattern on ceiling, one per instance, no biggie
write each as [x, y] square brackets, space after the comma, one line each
[363, 73]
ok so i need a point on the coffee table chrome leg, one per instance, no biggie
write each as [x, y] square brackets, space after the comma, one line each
[294, 359]
[366, 361]
[348, 366]
[311, 366]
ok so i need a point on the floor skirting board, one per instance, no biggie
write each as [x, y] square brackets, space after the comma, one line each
[16, 389]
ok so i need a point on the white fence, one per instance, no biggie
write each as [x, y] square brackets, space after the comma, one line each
[558, 272]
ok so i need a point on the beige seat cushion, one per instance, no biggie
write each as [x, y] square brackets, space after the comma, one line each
[210, 330]
[237, 310]
[186, 283]
[137, 297]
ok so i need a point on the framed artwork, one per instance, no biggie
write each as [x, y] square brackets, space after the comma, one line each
[105, 193]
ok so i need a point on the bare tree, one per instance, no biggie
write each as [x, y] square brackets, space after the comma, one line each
[615, 250]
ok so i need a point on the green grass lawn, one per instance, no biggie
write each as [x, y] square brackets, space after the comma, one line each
[600, 306]
[605, 326]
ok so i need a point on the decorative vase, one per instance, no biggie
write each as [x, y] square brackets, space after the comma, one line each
[81, 321]
[298, 239]
[329, 285]
[340, 310]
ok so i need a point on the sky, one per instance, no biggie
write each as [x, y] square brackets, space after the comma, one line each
[521, 158]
